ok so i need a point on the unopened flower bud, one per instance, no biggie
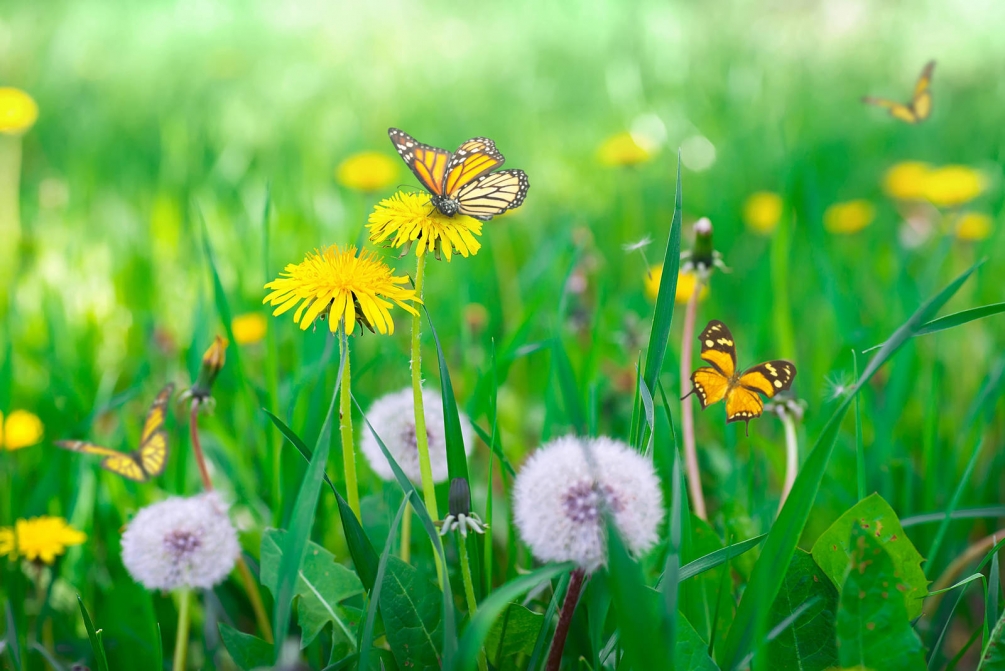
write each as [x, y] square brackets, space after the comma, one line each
[702, 253]
[212, 363]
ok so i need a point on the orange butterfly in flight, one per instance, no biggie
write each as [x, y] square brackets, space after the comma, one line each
[920, 106]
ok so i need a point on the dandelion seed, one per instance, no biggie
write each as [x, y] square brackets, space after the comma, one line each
[20, 429]
[849, 217]
[249, 328]
[181, 542]
[838, 385]
[367, 171]
[638, 245]
[18, 111]
[560, 495]
[39, 539]
[412, 218]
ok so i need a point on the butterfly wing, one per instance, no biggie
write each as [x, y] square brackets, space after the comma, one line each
[153, 450]
[921, 102]
[718, 348]
[493, 194]
[768, 378]
[122, 463]
[427, 163]
[709, 384]
[897, 110]
[742, 404]
[472, 159]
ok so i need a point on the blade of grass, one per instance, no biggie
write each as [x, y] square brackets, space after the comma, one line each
[956, 319]
[366, 642]
[10, 637]
[716, 558]
[968, 513]
[549, 614]
[859, 445]
[40, 649]
[492, 440]
[92, 636]
[566, 377]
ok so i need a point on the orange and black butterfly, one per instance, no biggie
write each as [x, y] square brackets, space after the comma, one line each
[463, 182]
[722, 379]
[920, 106]
[148, 460]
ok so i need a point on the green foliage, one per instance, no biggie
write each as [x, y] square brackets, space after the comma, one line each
[97, 649]
[993, 657]
[810, 642]
[873, 628]
[412, 608]
[512, 634]
[248, 652]
[833, 553]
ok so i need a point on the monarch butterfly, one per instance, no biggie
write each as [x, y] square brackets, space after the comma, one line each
[723, 380]
[463, 182]
[920, 106]
[148, 460]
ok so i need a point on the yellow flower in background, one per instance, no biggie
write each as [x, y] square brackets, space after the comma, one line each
[21, 429]
[367, 171]
[974, 227]
[685, 285]
[337, 284]
[849, 217]
[907, 180]
[762, 211]
[39, 539]
[412, 216]
[953, 185]
[18, 111]
[249, 328]
[622, 149]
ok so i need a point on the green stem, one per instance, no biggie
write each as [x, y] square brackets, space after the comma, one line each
[184, 619]
[421, 437]
[348, 451]
[469, 588]
[406, 534]
[687, 409]
[791, 457]
[859, 447]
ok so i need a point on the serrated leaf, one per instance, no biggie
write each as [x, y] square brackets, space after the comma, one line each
[873, 629]
[412, 609]
[993, 658]
[810, 642]
[831, 551]
[517, 629]
[248, 652]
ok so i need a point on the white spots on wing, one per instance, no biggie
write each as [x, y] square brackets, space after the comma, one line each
[778, 384]
[709, 343]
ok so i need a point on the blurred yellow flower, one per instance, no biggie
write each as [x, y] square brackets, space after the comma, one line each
[849, 217]
[953, 185]
[762, 211]
[21, 429]
[685, 285]
[367, 171]
[18, 111]
[411, 216]
[622, 149]
[337, 284]
[973, 227]
[249, 328]
[39, 539]
[907, 180]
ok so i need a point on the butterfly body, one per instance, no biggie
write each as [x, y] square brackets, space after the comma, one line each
[722, 380]
[920, 106]
[466, 181]
[149, 459]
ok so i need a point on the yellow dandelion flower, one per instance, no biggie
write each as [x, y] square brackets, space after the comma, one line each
[907, 180]
[18, 111]
[412, 217]
[762, 211]
[953, 185]
[974, 227]
[367, 171]
[249, 328]
[39, 539]
[622, 149]
[849, 217]
[21, 429]
[685, 285]
[337, 284]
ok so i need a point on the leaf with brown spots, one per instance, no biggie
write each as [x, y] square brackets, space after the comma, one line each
[808, 644]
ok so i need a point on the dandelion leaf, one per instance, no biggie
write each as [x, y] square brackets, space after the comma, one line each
[514, 633]
[993, 658]
[412, 609]
[248, 652]
[832, 552]
[809, 643]
[873, 628]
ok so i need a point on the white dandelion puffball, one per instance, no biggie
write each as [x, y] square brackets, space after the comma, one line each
[181, 542]
[559, 496]
[393, 418]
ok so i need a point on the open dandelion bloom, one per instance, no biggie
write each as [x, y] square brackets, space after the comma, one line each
[18, 111]
[762, 211]
[686, 281]
[367, 171]
[974, 227]
[337, 284]
[559, 498]
[181, 542]
[393, 418]
[953, 185]
[412, 217]
[20, 429]
[39, 539]
[249, 328]
[622, 149]
[849, 217]
[907, 180]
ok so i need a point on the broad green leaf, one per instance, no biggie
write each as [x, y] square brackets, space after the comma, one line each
[322, 584]
[691, 652]
[248, 652]
[809, 643]
[513, 633]
[832, 552]
[873, 628]
[412, 609]
[993, 658]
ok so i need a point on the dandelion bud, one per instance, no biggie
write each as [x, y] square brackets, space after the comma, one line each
[460, 497]
[212, 363]
[702, 253]
[461, 518]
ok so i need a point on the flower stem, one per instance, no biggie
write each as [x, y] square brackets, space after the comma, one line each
[200, 458]
[565, 619]
[791, 457]
[421, 437]
[469, 588]
[406, 534]
[687, 407]
[184, 619]
[348, 451]
[251, 587]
